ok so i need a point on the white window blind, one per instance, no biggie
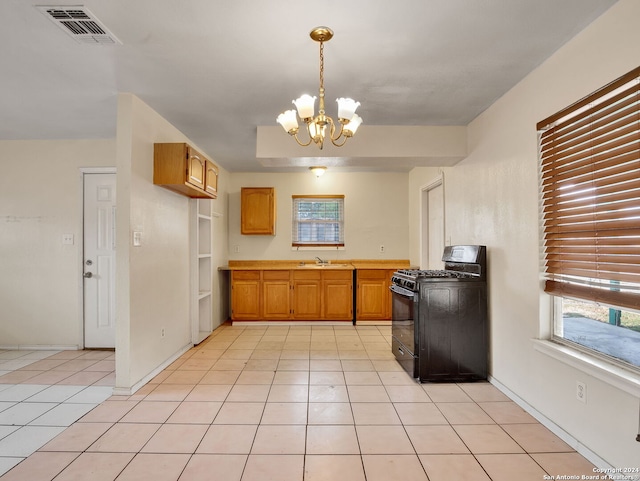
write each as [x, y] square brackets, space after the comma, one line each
[317, 220]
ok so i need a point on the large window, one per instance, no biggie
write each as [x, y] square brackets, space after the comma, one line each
[318, 221]
[590, 201]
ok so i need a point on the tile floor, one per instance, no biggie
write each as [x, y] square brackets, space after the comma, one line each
[281, 403]
[44, 392]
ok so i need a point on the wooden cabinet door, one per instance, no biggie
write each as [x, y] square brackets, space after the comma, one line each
[306, 295]
[306, 299]
[257, 211]
[337, 295]
[338, 300]
[211, 179]
[245, 295]
[373, 295]
[276, 295]
[196, 168]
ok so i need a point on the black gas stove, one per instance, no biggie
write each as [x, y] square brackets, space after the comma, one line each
[409, 278]
[463, 263]
[439, 317]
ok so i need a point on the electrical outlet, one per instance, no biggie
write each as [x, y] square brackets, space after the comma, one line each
[381, 248]
[162, 332]
[581, 392]
[236, 248]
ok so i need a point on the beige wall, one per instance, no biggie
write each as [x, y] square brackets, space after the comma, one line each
[40, 200]
[153, 279]
[492, 198]
[375, 214]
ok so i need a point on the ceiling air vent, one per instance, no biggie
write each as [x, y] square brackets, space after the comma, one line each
[79, 23]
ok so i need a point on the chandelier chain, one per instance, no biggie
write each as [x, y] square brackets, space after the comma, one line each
[321, 64]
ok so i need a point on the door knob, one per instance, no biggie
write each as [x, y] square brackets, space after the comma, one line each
[88, 275]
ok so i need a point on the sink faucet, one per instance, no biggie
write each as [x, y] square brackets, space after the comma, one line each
[321, 261]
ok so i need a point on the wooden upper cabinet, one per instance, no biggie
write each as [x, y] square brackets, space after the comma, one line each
[258, 211]
[182, 169]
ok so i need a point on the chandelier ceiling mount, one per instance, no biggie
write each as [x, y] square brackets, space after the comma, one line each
[348, 120]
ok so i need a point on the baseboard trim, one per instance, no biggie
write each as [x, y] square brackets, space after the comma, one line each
[373, 323]
[124, 391]
[553, 427]
[40, 347]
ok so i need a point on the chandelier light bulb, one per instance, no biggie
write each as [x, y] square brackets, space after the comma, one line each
[288, 120]
[305, 105]
[346, 108]
[353, 125]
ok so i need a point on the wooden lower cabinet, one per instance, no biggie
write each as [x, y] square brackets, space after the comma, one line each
[373, 296]
[337, 295]
[307, 293]
[245, 295]
[302, 295]
[276, 295]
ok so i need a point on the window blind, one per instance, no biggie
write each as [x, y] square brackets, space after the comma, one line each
[590, 192]
[318, 220]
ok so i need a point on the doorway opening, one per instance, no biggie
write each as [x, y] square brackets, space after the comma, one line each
[432, 240]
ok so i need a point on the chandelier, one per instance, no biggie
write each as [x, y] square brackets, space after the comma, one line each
[348, 120]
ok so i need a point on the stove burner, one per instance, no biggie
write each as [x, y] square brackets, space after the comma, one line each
[421, 274]
[461, 263]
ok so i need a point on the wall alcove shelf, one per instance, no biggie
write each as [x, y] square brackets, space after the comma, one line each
[201, 269]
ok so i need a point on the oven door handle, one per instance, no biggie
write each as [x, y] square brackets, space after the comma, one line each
[401, 291]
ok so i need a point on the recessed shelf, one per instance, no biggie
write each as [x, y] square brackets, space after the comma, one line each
[202, 270]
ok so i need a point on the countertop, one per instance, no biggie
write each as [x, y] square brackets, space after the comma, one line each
[342, 264]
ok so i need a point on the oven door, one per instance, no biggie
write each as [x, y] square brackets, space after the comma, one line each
[403, 305]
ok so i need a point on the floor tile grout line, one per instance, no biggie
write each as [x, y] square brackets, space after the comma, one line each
[385, 386]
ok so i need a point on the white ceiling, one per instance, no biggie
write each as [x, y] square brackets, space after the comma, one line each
[218, 69]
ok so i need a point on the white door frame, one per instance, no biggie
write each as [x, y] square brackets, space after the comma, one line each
[80, 237]
[424, 190]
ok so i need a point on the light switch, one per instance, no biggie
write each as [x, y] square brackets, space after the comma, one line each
[67, 239]
[137, 239]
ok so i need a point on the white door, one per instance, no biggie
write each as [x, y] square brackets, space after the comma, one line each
[99, 260]
[432, 226]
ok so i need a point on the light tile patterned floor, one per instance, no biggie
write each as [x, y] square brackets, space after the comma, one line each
[43, 392]
[293, 403]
